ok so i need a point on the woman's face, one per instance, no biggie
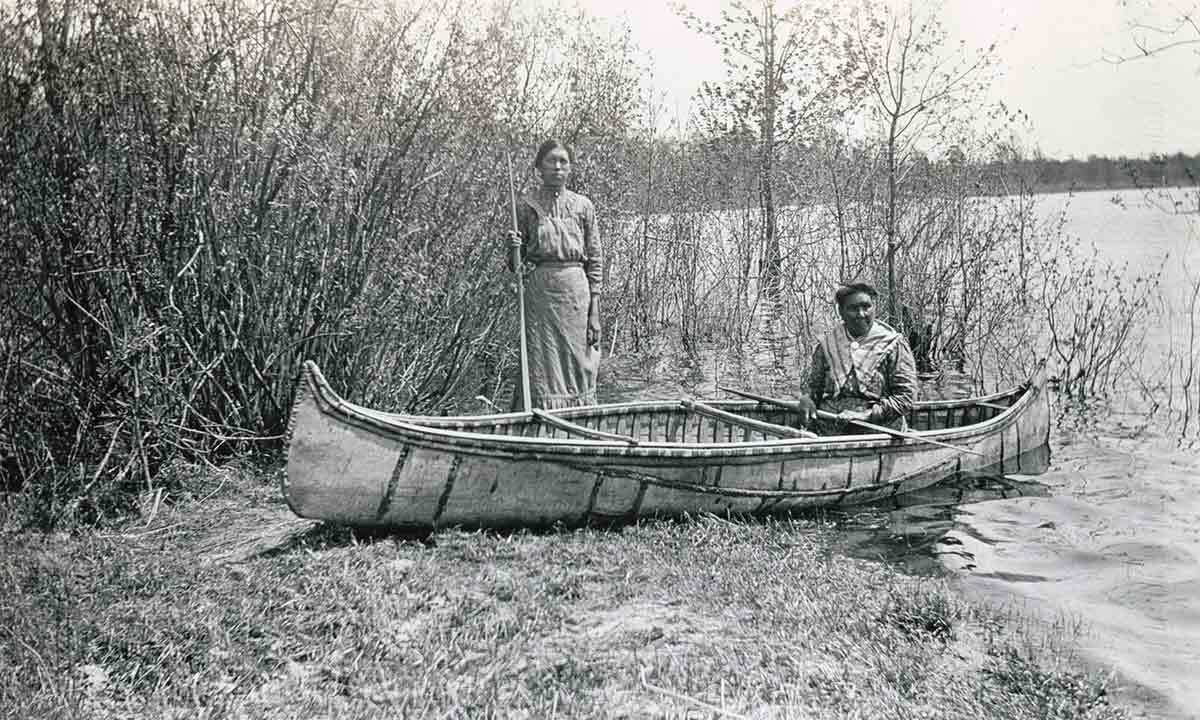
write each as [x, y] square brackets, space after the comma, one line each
[555, 167]
[858, 313]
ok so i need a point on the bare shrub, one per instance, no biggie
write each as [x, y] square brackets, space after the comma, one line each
[197, 198]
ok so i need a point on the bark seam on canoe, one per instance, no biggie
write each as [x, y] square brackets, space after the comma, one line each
[720, 469]
[386, 501]
[591, 506]
[1018, 456]
[1035, 395]
[451, 477]
[1002, 450]
[782, 465]
[304, 389]
[637, 500]
[850, 472]
[879, 469]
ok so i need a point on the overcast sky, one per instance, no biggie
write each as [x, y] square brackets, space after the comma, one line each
[1052, 67]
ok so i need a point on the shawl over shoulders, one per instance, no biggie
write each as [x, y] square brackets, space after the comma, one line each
[875, 372]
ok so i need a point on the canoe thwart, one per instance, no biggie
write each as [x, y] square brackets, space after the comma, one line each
[745, 422]
[994, 406]
[580, 430]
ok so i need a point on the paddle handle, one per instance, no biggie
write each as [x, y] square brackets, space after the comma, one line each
[825, 415]
[516, 263]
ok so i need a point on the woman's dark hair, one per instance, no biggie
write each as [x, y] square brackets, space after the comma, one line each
[552, 144]
[848, 289]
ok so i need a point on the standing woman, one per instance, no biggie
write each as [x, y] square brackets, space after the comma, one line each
[557, 236]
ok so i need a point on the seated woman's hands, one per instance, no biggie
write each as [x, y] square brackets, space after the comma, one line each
[846, 417]
[807, 409]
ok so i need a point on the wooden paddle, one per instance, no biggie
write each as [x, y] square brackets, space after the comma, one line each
[861, 423]
[516, 251]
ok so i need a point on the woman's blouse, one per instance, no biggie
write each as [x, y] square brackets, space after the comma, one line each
[559, 226]
[878, 368]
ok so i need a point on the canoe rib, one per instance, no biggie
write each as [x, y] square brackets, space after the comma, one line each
[358, 466]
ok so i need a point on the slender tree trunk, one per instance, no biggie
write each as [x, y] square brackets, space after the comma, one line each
[771, 261]
[963, 317]
[893, 308]
[840, 217]
[1021, 245]
[645, 303]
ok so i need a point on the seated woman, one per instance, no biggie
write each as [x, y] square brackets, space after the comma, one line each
[861, 370]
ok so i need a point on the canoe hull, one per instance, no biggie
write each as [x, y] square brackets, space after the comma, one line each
[352, 466]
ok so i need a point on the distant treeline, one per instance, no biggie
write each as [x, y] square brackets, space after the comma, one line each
[1098, 172]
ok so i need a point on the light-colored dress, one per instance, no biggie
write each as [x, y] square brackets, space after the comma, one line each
[562, 243]
[875, 372]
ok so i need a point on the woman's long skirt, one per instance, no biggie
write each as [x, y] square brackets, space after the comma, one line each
[562, 366]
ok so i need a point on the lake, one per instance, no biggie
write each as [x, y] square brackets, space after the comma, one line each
[1116, 540]
[1108, 540]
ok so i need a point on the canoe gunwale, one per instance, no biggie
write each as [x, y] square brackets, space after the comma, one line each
[607, 409]
[407, 429]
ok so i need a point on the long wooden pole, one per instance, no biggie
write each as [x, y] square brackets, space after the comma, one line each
[861, 423]
[527, 404]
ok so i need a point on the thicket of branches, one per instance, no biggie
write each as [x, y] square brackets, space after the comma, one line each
[1172, 184]
[197, 196]
[906, 176]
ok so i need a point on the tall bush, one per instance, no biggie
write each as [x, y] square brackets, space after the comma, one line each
[196, 198]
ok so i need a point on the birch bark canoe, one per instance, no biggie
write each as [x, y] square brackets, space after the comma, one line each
[618, 462]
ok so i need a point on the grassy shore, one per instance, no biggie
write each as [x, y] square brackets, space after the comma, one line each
[223, 604]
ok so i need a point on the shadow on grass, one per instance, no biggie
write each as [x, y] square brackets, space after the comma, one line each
[329, 536]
